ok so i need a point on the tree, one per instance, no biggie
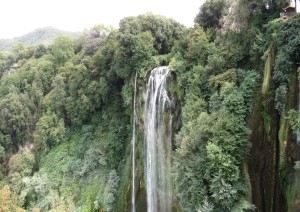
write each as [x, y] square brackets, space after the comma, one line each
[288, 43]
[288, 57]
[39, 51]
[164, 31]
[20, 165]
[19, 51]
[38, 193]
[210, 13]
[135, 53]
[4, 61]
[44, 74]
[111, 190]
[197, 46]
[249, 88]
[217, 141]
[91, 40]
[86, 93]
[15, 116]
[55, 99]
[142, 51]
[62, 50]
[8, 200]
[50, 130]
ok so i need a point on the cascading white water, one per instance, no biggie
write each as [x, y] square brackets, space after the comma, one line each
[158, 142]
[133, 205]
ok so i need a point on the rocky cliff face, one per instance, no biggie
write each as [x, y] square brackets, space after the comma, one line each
[273, 154]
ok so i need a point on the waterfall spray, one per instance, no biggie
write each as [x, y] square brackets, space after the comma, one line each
[133, 199]
[158, 143]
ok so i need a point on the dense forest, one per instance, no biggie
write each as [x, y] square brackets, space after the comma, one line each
[66, 112]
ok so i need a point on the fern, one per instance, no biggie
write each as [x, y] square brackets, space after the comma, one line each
[206, 206]
[243, 205]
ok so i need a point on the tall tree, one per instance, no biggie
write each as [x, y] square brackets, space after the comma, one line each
[210, 13]
[62, 49]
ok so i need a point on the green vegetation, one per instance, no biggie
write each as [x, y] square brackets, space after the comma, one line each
[39, 36]
[66, 112]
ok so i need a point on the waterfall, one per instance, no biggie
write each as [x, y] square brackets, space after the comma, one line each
[133, 200]
[158, 142]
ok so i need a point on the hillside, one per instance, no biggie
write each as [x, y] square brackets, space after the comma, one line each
[154, 116]
[39, 36]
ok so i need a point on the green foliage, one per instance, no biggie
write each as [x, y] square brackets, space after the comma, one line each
[288, 44]
[39, 36]
[280, 98]
[37, 189]
[20, 51]
[15, 116]
[79, 174]
[215, 65]
[249, 88]
[210, 13]
[231, 99]
[138, 51]
[232, 48]
[189, 56]
[40, 51]
[61, 50]
[58, 164]
[197, 46]
[2, 152]
[127, 92]
[20, 165]
[205, 207]
[223, 193]
[287, 59]
[86, 93]
[111, 191]
[273, 28]
[108, 56]
[142, 50]
[142, 37]
[257, 46]
[218, 81]
[6, 141]
[179, 64]
[164, 31]
[218, 142]
[74, 98]
[55, 99]
[9, 83]
[93, 158]
[45, 74]
[233, 102]
[125, 177]
[50, 130]
[6, 60]
[243, 205]
[90, 40]
[9, 200]
[114, 133]
[294, 119]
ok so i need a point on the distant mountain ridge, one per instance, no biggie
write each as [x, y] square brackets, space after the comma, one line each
[39, 36]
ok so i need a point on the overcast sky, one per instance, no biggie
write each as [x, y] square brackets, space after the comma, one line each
[18, 17]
